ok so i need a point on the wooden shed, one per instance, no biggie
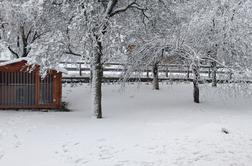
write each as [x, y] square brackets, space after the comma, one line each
[22, 87]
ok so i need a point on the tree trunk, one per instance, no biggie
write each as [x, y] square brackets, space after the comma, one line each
[196, 91]
[97, 82]
[196, 76]
[214, 75]
[155, 77]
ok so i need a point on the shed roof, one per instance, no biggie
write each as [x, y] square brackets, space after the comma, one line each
[31, 62]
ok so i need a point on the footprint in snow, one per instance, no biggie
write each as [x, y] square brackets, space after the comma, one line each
[121, 163]
[225, 131]
[153, 148]
[107, 152]
[136, 145]
[17, 143]
[101, 140]
[78, 160]
[1, 156]
[1, 153]
[195, 153]
[75, 144]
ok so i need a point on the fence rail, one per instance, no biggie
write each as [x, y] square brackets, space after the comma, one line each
[80, 72]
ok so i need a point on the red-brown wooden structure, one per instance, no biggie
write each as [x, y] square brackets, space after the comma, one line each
[21, 87]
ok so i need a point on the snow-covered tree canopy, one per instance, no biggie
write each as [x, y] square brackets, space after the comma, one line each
[218, 31]
[25, 22]
[221, 31]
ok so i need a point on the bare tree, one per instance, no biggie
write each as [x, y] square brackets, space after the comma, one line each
[97, 23]
[24, 22]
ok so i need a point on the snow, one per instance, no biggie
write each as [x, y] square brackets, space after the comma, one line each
[30, 61]
[141, 127]
[13, 61]
[4, 54]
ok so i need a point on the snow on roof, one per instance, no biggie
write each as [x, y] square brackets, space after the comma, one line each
[12, 61]
[30, 62]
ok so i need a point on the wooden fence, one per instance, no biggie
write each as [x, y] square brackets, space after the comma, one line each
[80, 72]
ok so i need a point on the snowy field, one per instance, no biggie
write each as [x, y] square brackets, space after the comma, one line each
[141, 127]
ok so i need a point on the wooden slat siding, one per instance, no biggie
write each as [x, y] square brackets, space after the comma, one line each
[17, 74]
[4, 89]
[29, 88]
[7, 89]
[14, 87]
[33, 87]
[45, 89]
[25, 89]
[37, 86]
[20, 83]
[54, 88]
[1, 86]
[57, 89]
[48, 88]
[60, 90]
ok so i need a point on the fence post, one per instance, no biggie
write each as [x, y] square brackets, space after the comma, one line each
[91, 74]
[166, 72]
[214, 74]
[209, 72]
[188, 72]
[230, 75]
[147, 71]
[80, 71]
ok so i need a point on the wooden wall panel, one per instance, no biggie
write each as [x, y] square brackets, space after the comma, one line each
[23, 67]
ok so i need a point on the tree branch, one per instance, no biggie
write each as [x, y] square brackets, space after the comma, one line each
[110, 7]
[70, 52]
[36, 36]
[29, 32]
[131, 5]
[13, 52]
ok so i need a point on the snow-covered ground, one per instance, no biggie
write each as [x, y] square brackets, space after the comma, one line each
[141, 127]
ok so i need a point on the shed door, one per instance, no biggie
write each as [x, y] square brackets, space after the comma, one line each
[46, 90]
[17, 88]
